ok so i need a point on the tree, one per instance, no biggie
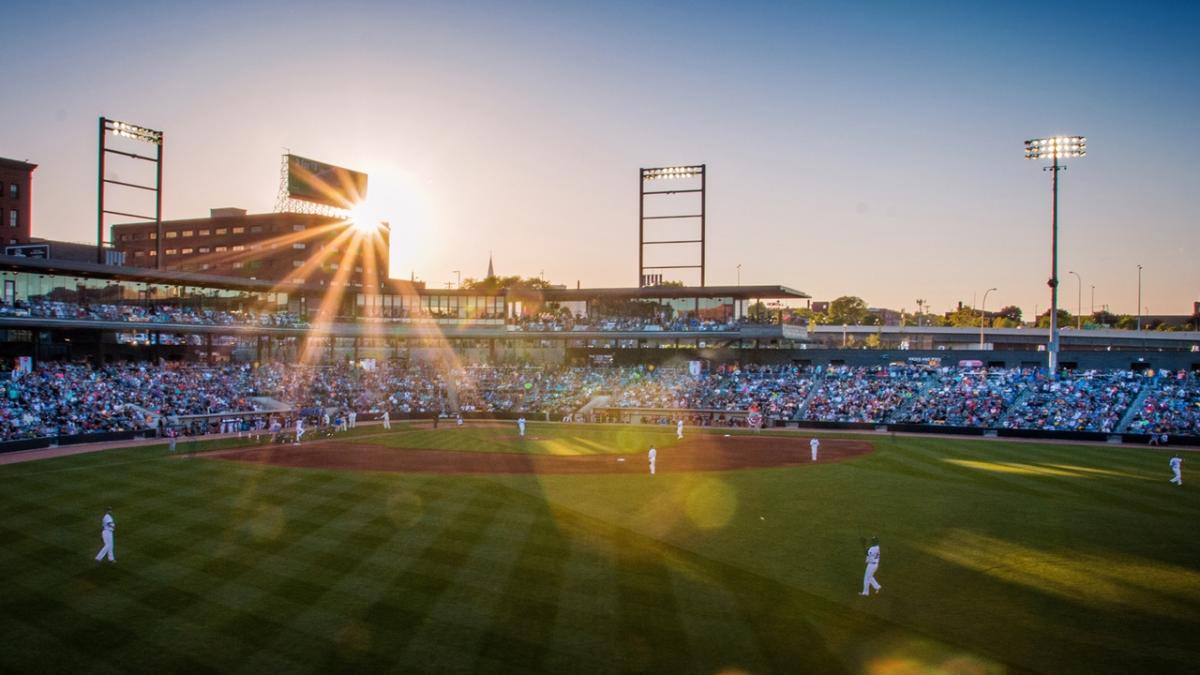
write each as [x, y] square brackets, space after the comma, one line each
[1104, 318]
[1011, 312]
[873, 341]
[848, 309]
[963, 317]
[757, 311]
[1127, 322]
[1064, 319]
[495, 284]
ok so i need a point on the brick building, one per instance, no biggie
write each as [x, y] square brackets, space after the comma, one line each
[16, 200]
[270, 246]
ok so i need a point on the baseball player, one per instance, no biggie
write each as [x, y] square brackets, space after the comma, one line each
[815, 445]
[299, 430]
[653, 456]
[679, 429]
[107, 525]
[458, 420]
[172, 438]
[1177, 467]
[353, 419]
[387, 420]
[521, 424]
[872, 565]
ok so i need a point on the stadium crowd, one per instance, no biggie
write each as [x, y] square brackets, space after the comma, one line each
[68, 398]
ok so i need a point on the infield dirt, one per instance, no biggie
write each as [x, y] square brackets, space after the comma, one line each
[698, 453]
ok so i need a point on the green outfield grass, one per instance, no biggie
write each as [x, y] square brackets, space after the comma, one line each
[997, 557]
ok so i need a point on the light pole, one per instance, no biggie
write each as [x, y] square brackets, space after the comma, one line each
[1079, 300]
[982, 314]
[1053, 149]
[1139, 307]
[457, 284]
[739, 274]
[1093, 300]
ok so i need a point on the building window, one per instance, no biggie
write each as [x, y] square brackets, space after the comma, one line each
[186, 251]
[153, 236]
[237, 265]
[222, 230]
[139, 254]
[297, 228]
[14, 191]
[205, 233]
[205, 249]
[188, 233]
[239, 247]
[153, 253]
[239, 230]
[297, 263]
[221, 249]
[171, 251]
[124, 237]
[12, 218]
[256, 229]
[299, 247]
[204, 266]
[172, 234]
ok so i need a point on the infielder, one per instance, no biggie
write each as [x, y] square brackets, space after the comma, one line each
[815, 445]
[107, 525]
[521, 425]
[679, 429]
[172, 438]
[653, 456]
[353, 419]
[872, 565]
[1177, 467]
[387, 420]
[299, 430]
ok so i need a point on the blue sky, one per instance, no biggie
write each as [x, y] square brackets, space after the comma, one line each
[872, 149]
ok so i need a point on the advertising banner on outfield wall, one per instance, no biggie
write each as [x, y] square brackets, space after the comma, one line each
[321, 183]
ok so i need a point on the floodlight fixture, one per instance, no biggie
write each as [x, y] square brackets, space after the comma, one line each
[1054, 148]
[672, 172]
[134, 131]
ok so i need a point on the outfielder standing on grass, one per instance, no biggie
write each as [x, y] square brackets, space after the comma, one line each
[815, 445]
[872, 552]
[1177, 467]
[107, 525]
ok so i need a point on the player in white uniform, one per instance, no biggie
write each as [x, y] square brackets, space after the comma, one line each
[521, 425]
[299, 429]
[872, 565]
[387, 420]
[107, 525]
[679, 429]
[815, 445]
[353, 419]
[1177, 467]
[653, 456]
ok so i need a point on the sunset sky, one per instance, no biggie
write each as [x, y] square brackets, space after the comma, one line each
[870, 149]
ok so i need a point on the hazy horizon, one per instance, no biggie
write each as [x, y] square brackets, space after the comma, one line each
[871, 150]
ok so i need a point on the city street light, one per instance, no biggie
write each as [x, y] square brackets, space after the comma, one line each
[1053, 149]
[739, 274]
[1079, 300]
[982, 314]
[1093, 300]
[1139, 307]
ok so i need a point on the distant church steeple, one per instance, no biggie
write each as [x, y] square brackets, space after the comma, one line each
[491, 272]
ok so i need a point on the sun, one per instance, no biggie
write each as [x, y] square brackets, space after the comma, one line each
[364, 219]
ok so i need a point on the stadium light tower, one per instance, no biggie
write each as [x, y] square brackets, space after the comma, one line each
[1053, 149]
[136, 133]
[646, 176]
[1078, 301]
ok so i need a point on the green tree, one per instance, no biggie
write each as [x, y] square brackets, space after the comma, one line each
[873, 341]
[848, 309]
[1064, 319]
[1127, 322]
[495, 284]
[1011, 312]
[757, 311]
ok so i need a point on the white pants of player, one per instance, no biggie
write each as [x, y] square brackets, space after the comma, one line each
[387, 423]
[299, 435]
[107, 550]
[679, 434]
[522, 429]
[869, 579]
[814, 454]
[1178, 479]
[651, 467]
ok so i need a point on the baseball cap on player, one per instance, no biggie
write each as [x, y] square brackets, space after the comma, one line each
[874, 540]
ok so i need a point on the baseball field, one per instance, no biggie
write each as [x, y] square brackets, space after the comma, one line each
[476, 550]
